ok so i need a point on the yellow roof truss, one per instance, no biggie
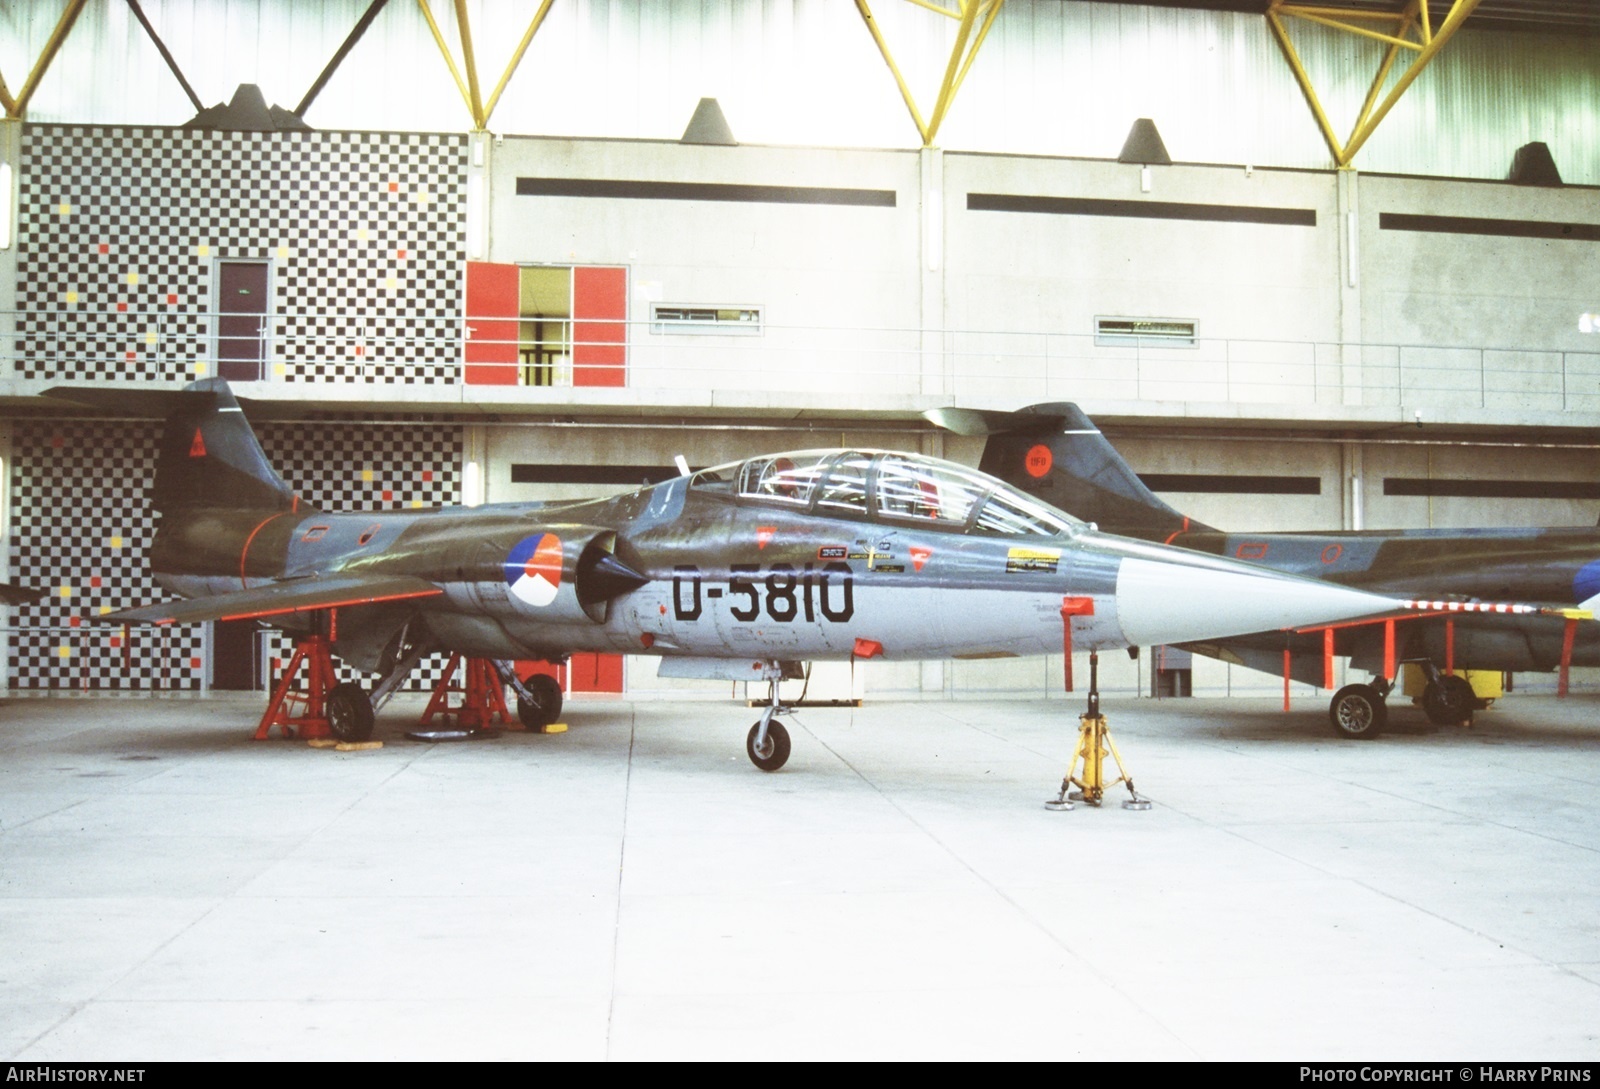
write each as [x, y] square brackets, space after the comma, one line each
[1409, 31]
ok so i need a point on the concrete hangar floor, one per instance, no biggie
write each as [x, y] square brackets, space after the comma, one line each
[634, 889]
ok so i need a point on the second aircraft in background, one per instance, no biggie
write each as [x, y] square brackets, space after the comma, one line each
[1055, 452]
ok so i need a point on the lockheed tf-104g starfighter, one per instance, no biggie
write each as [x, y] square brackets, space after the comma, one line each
[743, 570]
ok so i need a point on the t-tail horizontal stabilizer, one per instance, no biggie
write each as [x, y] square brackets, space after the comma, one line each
[1055, 453]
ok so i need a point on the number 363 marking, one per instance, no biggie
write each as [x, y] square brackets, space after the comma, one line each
[785, 592]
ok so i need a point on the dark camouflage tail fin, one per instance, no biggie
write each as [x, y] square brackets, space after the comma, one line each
[209, 457]
[1054, 452]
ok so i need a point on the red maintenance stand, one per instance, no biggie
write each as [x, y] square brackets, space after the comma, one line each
[302, 711]
[483, 697]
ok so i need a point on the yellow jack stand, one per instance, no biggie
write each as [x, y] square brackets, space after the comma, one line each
[1094, 743]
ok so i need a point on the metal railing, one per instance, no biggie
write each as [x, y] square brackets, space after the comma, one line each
[165, 346]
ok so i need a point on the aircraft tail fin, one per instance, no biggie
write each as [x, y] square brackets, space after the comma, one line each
[209, 456]
[1055, 453]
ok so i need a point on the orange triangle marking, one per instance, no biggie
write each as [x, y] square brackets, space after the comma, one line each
[764, 534]
[919, 556]
[197, 448]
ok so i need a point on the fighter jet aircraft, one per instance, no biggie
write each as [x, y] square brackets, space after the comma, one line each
[1055, 453]
[741, 570]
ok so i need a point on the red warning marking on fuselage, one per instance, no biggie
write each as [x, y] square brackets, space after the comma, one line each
[1251, 550]
[197, 448]
[764, 535]
[1038, 460]
[1332, 552]
[919, 556]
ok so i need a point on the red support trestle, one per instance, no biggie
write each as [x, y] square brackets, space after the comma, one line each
[1286, 661]
[1569, 632]
[483, 696]
[1327, 658]
[302, 712]
[1388, 649]
[1449, 648]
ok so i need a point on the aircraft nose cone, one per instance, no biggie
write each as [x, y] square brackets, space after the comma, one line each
[1174, 602]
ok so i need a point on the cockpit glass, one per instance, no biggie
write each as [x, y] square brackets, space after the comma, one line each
[894, 486]
[785, 478]
[846, 485]
[919, 489]
[1008, 514]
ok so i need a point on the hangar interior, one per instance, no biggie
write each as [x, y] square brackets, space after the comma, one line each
[711, 230]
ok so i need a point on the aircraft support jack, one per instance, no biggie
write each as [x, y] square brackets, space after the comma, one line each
[483, 696]
[313, 653]
[1094, 743]
[768, 742]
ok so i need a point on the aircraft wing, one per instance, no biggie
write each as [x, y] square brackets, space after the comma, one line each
[292, 596]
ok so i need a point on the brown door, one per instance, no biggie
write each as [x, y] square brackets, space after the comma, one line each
[241, 319]
[235, 660]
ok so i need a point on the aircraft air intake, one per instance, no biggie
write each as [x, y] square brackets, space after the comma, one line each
[547, 574]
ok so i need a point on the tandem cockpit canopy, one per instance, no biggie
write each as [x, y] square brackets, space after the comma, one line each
[887, 485]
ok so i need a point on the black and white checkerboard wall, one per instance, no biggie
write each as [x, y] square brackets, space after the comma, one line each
[120, 231]
[81, 527]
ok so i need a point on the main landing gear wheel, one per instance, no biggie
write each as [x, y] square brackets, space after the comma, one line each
[350, 712]
[1358, 711]
[774, 753]
[545, 707]
[1449, 701]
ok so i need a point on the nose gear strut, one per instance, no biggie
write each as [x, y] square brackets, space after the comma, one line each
[768, 742]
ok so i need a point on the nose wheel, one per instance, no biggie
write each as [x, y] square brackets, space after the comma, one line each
[767, 744]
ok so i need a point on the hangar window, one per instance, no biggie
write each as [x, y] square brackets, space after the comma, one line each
[680, 318]
[1145, 332]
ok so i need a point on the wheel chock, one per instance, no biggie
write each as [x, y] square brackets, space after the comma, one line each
[343, 746]
[554, 728]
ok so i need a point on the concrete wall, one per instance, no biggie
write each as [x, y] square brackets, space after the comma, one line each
[808, 266]
[1054, 274]
[1309, 300]
[1517, 298]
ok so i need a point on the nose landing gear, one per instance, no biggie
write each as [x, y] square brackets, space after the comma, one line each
[768, 742]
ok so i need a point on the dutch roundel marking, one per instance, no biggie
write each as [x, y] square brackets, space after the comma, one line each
[1332, 553]
[1038, 460]
[533, 569]
[1586, 583]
